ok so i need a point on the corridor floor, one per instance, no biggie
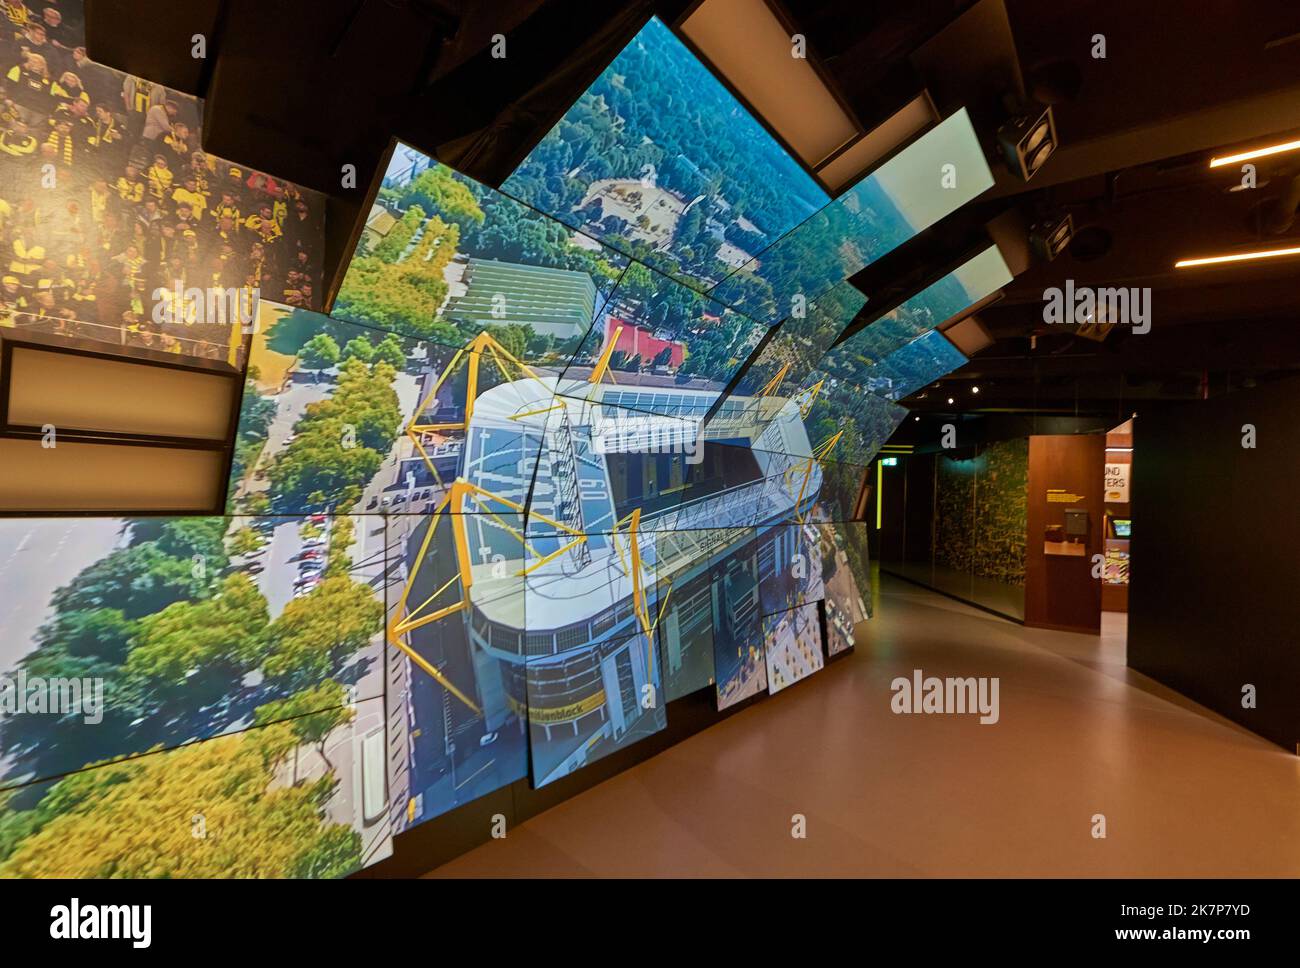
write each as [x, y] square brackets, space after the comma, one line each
[1183, 791]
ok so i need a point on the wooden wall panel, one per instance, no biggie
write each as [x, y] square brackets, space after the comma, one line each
[1060, 592]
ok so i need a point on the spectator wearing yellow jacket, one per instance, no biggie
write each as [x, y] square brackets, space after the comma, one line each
[159, 176]
[189, 193]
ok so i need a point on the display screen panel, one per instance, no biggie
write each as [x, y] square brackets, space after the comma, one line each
[341, 416]
[966, 285]
[914, 365]
[739, 663]
[593, 671]
[131, 634]
[437, 577]
[792, 646]
[300, 798]
[131, 233]
[658, 160]
[662, 336]
[457, 699]
[686, 630]
[931, 178]
[444, 258]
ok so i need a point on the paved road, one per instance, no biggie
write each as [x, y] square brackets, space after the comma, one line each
[290, 405]
[37, 556]
[278, 578]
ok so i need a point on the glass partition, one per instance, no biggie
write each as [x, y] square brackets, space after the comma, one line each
[956, 523]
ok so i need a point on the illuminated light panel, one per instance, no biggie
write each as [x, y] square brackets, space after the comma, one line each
[1255, 153]
[1239, 257]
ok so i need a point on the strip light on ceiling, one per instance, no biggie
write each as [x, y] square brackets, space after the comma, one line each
[1256, 153]
[1237, 257]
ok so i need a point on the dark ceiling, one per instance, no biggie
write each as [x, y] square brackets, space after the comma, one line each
[302, 87]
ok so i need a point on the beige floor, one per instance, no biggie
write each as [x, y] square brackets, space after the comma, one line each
[1183, 791]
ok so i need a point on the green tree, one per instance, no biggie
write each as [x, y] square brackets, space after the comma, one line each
[390, 351]
[131, 818]
[183, 537]
[318, 465]
[400, 235]
[341, 441]
[312, 714]
[438, 191]
[139, 580]
[258, 503]
[359, 348]
[513, 338]
[320, 352]
[342, 537]
[405, 296]
[15, 825]
[255, 415]
[335, 853]
[104, 633]
[315, 634]
[245, 541]
[196, 652]
[75, 645]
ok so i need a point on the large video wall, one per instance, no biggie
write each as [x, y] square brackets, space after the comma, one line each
[528, 484]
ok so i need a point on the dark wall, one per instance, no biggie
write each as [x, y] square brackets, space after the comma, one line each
[1213, 603]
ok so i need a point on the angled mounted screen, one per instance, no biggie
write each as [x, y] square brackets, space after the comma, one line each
[445, 259]
[939, 302]
[241, 658]
[932, 177]
[660, 161]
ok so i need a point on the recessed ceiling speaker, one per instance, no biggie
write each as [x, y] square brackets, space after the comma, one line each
[1051, 236]
[1027, 141]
